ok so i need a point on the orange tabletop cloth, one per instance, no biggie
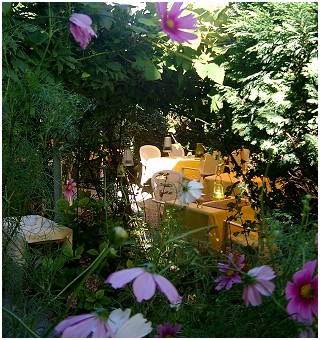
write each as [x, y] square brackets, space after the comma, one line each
[228, 180]
[194, 217]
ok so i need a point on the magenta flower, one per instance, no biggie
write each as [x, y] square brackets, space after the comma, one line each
[145, 284]
[97, 325]
[172, 25]
[81, 29]
[70, 188]
[167, 330]
[303, 292]
[260, 285]
[229, 274]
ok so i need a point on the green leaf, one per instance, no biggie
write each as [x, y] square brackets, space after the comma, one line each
[106, 20]
[147, 22]
[92, 252]
[103, 246]
[148, 69]
[62, 204]
[99, 293]
[78, 252]
[105, 300]
[66, 250]
[83, 202]
[90, 299]
[6, 8]
[212, 71]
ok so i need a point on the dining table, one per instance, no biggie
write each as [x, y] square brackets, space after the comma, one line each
[156, 164]
[210, 213]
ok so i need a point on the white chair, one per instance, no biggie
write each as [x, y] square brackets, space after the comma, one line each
[166, 185]
[208, 167]
[177, 150]
[146, 152]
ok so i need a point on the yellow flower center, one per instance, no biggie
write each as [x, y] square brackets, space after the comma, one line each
[170, 23]
[307, 292]
[230, 272]
[69, 187]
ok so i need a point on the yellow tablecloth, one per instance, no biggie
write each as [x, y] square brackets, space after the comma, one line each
[193, 217]
[227, 180]
[35, 229]
[172, 163]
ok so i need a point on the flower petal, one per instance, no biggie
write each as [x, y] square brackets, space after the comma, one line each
[117, 318]
[167, 288]
[81, 329]
[72, 320]
[136, 327]
[120, 278]
[144, 287]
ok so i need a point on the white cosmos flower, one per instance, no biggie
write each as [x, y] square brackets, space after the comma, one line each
[120, 325]
[190, 192]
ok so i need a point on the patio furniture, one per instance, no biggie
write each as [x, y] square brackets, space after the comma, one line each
[146, 152]
[34, 229]
[210, 213]
[156, 164]
[177, 150]
[235, 233]
[208, 166]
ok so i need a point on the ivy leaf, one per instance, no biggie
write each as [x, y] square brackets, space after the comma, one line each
[212, 71]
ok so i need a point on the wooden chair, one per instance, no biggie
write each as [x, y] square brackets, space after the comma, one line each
[177, 150]
[146, 152]
[208, 167]
[235, 233]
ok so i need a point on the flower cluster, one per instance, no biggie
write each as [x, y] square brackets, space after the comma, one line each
[258, 280]
[302, 293]
[118, 323]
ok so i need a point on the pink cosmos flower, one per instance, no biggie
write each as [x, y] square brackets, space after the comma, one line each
[172, 25]
[167, 330]
[261, 284]
[229, 275]
[303, 292]
[144, 285]
[97, 325]
[70, 188]
[81, 29]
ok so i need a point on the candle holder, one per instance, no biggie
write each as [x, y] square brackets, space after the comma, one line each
[199, 151]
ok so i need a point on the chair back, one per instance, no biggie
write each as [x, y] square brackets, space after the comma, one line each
[208, 166]
[166, 184]
[241, 154]
[148, 151]
[177, 150]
